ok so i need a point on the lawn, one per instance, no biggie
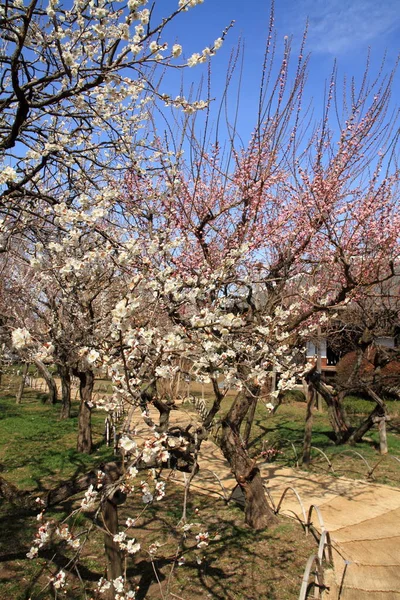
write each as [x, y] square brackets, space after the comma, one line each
[37, 451]
[36, 447]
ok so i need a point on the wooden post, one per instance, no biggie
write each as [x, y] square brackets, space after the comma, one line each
[311, 398]
[178, 383]
[22, 383]
[381, 422]
[382, 436]
[115, 439]
[319, 368]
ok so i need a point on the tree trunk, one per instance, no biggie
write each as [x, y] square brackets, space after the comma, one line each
[48, 377]
[311, 399]
[249, 421]
[336, 413]
[109, 511]
[21, 388]
[258, 513]
[86, 384]
[2, 361]
[65, 377]
[164, 408]
[112, 550]
[380, 419]
[365, 426]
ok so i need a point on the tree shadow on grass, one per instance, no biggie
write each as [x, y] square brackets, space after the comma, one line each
[282, 435]
[222, 568]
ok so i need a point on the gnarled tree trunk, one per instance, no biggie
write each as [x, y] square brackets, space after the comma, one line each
[48, 377]
[65, 377]
[112, 550]
[377, 416]
[365, 426]
[109, 510]
[258, 513]
[86, 384]
[336, 412]
[164, 408]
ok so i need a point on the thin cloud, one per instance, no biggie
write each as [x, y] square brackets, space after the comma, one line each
[335, 26]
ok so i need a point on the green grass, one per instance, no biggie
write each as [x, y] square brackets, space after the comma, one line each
[286, 427]
[37, 451]
[357, 405]
[37, 447]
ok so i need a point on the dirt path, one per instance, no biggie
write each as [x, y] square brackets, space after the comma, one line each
[363, 518]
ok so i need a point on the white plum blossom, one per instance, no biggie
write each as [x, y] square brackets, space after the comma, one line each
[176, 50]
[132, 471]
[33, 552]
[21, 338]
[103, 585]
[194, 60]
[186, 4]
[92, 356]
[153, 548]
[7, 174]
[147, 496]
[154, 450]
[144, 16]
[202, 539]
[43, 534]
[119, 537]
[127, 444]
[59, 580]
[120, 311]
[90, 499]
[132, 546]
[153, 46]
[118, 584]
[160, 490]
[63, 532]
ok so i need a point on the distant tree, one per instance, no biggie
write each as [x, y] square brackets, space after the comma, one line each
[371, 364]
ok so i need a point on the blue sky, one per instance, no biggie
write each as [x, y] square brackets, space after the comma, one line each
[337, 29]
